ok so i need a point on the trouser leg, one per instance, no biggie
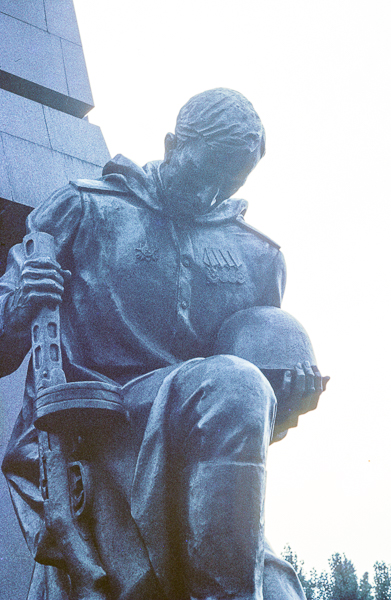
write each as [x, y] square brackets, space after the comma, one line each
[222, 415]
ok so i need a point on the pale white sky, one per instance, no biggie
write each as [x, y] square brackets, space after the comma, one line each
[319, 75]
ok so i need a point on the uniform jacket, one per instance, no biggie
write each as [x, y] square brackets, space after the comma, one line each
[147, 291]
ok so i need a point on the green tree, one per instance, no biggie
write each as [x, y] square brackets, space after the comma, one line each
[324, 586]
[382, 579]
[310, 586]
[344, 584]
[316, 586]
[341, 582]
[291, 557]
[365, 588]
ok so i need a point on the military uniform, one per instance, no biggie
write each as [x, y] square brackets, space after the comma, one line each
[147, 297]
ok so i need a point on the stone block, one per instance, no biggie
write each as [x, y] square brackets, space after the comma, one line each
[5, 186]
[34, 171]
[76, 72]
[23, 118]
[76, 137]
[32, 54]
[43, 67]
[29, 11]
[61, 20]
[78, 169]
[38, 93]
[29, 120]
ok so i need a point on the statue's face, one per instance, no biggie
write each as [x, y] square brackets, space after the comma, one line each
[196, 176]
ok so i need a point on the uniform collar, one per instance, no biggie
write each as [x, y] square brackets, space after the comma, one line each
[144, 182]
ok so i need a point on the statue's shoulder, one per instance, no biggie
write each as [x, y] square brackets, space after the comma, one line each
[107, 185]
[259, 234]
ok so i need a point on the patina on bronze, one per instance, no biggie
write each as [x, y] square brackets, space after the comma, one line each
[169, 501]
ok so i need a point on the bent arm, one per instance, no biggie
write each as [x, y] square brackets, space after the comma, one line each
[14, 341]
[24, 289]
[275, 288]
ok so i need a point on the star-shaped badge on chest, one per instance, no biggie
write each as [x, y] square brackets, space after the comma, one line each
[147, 253]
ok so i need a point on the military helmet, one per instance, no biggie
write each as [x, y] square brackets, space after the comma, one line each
[267, 336]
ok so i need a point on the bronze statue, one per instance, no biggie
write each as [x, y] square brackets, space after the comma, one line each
[150, 266]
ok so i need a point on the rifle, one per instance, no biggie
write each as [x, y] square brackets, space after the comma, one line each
[61, 413]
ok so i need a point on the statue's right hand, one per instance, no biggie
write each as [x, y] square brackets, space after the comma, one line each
[41, 283]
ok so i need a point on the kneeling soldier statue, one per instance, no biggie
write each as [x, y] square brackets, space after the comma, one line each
[137, 465]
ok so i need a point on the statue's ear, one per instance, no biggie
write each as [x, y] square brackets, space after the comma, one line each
[170, 143]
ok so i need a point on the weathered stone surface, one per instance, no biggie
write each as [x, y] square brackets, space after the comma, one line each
[31, 183]
[27, 52]
[78, 169]
[76, 137]
[42, 66]
[76, 72]
[23, 118]
[35, 171]
[61, 20]
[5, 186]
[55, 16]
[38, 93]
[29, 11]
[64, 146]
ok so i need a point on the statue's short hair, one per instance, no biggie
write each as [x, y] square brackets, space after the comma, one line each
[222, 117]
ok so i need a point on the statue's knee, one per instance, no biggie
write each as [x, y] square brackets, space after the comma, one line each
[224, 406]
[247, 393]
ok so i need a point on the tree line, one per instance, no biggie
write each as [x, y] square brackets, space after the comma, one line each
[340, 582]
